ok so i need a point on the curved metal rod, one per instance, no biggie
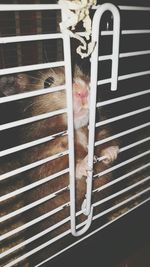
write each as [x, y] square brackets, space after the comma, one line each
[87, 207]
[93, 83]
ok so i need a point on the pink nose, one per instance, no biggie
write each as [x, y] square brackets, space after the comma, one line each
[82, 96]
[81, 92]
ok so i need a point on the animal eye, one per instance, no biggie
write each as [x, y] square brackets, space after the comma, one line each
[48, 82]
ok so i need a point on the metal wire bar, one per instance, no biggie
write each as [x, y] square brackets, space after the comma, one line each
[35, 237]
[31, 144]
[32, 165]
[128, 188]
[134, 8]
[125, 77]
[27, 38]
[119, 99]
[126, 32]
[34, 221]
[47, 115]
[67, 232]
[122, 98]
[25, 95]
[122, 203]
[33, 185]
[121, 164]
[125, 55]
[28, 7]
[122, 133]
[92, 233]
[128, 147]
[121, 178]
[46, 231]
[93, 84]
[31, 205]
[123, 116]
[31, 67]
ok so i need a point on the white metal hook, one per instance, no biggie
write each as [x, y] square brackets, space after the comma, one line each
[68, 78]
[116, 39]
[88, 208]
[93, 82]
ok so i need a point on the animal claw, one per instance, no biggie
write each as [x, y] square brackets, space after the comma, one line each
[110, 154]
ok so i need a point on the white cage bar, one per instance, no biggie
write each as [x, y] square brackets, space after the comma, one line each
[76, 230]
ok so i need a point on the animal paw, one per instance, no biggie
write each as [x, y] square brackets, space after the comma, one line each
[110, 154]
[81, 168]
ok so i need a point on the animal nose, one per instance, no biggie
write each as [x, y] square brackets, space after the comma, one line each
[82, 94]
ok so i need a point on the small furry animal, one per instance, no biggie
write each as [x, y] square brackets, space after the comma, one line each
[54, 101]
[57, 125]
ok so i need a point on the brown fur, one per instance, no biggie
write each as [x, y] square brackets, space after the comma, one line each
[43, 104]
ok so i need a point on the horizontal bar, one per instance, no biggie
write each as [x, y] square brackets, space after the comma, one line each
[24, 256]
[128, 188]
[35, 237]
[33, 185]
[49, 214]
[121, 164]
[123, 116]
[31, 205]
[121, 203]
[31, 67]
[51, 228]
[33, 222]
[124, 77]
[133, 75]
[121, 178]
[28, 7]
[25, 95]
[134, 144]
[58, 88]
[47, 115]
[27, 38]
[41, 234]
[122, 134]
[134, 8]
[129, 8]
[38, 37]
[32, 165]
[122, 149]
[122, 98]
[127, 54]
[133, 54]
[66, 233]
[25, 7]
[24, 189]
[31, 144]
[92, 233]
[126, 32]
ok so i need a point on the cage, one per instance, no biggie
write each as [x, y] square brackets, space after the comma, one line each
[45, 208]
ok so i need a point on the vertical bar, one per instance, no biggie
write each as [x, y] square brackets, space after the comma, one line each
[68, 77]
[93, 84]
[115, 48]
[87, 207]
[68, 80]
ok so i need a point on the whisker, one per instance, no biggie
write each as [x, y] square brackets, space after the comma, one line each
[35, 78]
[45, 54]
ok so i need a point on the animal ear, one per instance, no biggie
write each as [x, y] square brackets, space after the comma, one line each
[12, 84]
[80, 74]
[77, 71]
